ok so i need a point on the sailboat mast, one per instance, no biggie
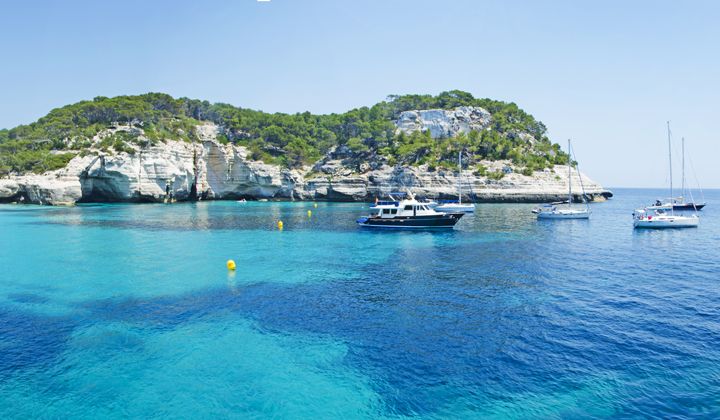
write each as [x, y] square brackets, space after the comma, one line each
[682, 193]
[670, 161]
[570, 200]
[459, 175]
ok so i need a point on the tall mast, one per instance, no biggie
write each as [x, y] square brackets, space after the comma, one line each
[459, 175]
[683, 170]
[570, 200]
[670, 161]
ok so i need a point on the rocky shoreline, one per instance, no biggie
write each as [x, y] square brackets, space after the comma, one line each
[209, 170]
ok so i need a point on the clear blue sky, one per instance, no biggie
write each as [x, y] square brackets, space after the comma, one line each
[606, 74]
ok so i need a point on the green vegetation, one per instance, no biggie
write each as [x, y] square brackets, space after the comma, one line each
[290, 140]
[496, 175]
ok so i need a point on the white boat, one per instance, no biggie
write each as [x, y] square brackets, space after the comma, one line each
[456, 206]
[560, 211]
[566, 209]
[662, 216]
[407, 214]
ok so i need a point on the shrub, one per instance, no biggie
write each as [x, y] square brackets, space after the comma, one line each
[496, 175]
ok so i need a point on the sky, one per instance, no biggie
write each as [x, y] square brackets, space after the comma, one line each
[606, 74]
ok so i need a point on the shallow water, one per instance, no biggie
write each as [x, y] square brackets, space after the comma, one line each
[128, 310]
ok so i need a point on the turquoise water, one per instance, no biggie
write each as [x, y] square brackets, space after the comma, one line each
[128, 310]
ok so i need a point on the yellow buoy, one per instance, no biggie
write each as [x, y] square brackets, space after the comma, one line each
[280, 224]
[230, 265]
[309, 213]
[315, 205]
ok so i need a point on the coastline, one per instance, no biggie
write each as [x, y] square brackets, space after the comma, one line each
[183, 171]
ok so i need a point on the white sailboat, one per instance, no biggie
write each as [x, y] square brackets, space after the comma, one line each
[456, 206]
[566, 210]
[662, 216]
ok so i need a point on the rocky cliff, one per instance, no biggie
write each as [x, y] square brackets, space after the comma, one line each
[208, 169]
[444, 122]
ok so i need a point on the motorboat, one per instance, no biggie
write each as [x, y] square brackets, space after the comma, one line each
[407, 214]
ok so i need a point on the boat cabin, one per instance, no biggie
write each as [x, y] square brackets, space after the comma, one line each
[405, 208]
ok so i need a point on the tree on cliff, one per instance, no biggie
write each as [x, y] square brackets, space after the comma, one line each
[287, 139]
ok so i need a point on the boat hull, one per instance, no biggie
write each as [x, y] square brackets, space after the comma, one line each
[444, 221]
[688, 206]
[569, 215]
[667, 223]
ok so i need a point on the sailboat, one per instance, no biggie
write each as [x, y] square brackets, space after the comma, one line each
[662, 216]
[565, 209]
[451, 206]
[679, 203]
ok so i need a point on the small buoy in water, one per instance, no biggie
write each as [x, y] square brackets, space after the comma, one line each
[315, 205]
[280, 224]
[230, 265]
[309, 213]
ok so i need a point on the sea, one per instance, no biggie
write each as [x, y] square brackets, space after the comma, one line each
[128, 310]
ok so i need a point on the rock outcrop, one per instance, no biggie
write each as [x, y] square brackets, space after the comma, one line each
[207, 169]
[549, 185]
[443, 122]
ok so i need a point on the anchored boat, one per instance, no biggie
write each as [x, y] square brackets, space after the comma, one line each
[659, 217]
[407, 214]
[560, 210]
[680, 203]
[452, 206]
[565, 209]
[662, 216]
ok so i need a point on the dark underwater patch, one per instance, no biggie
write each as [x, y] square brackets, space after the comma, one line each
[27, 298]
[429, 329]
[30, 340]
[413, 332]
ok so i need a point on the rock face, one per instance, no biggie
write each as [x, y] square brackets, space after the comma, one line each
[53, 188]
[207, 169]
[550, 185]
[444, 123]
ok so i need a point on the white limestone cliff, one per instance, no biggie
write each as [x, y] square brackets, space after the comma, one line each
[444, 122]
[210, 170]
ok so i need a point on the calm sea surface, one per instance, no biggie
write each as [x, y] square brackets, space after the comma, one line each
[128, 311]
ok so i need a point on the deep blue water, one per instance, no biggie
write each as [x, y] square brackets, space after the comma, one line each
[129, 311]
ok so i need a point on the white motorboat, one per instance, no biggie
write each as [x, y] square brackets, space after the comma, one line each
[452, 206]
[566, 209]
